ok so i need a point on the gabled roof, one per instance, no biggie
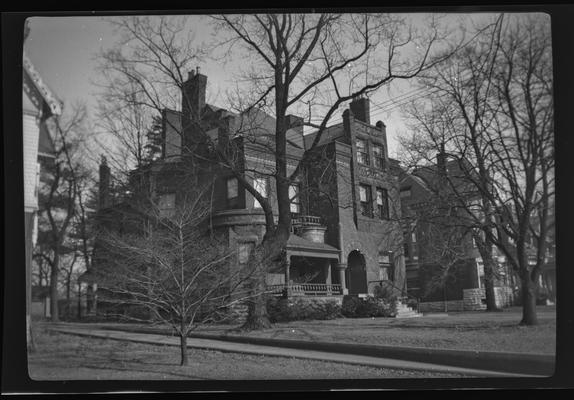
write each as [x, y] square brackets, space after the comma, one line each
[54, 105]
[428, 176]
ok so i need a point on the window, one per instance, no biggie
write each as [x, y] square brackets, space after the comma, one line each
[295, 199]
[385, 267]
[379, 156]
[232, 193]
[413, 240]
[480, 272]
[166, 205]
[366, 200]
[244, 251]
[406, 250]
[231, 188]
[362, 152]
[405, 192]
[383, 203]
[260, 185]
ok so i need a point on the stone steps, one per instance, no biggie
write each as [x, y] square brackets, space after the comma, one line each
[404, 311]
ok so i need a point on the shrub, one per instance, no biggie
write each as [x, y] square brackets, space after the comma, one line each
[355, 307]
[385, 292]
[293, 309]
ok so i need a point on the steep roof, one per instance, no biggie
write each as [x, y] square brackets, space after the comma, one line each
[329, 134]
[54, 105]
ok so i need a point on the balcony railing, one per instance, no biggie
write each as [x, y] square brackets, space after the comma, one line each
[306, 289]
[300, 220]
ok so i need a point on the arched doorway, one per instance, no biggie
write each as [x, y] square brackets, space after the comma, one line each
[357, 275]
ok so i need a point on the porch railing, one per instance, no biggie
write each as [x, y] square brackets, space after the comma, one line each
[306, 289]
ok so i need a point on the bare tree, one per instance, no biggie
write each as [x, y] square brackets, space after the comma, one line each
[492, 107]
[297, 61]
[58, 197]
[306, 59]
[172, 268]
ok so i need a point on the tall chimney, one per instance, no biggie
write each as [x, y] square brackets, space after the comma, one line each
[193, 95]
[104, 188]
[360, 106]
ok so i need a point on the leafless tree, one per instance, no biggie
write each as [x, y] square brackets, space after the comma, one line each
[296, 62]
[172, 267]
[309, 59]
[58, 197]
[492, 107]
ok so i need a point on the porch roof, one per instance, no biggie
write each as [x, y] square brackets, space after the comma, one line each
[297, 246]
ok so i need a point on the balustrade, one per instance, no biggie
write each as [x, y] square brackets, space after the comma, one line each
[307, 289]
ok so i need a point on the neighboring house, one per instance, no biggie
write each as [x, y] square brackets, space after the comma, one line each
[346, 234]
[433, 248]
[39, 108]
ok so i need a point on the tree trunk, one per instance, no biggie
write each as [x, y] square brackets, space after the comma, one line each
[183, 348]
[529, 316]
[257, 317]
[54, 288]
[68, 296]
[489, 281]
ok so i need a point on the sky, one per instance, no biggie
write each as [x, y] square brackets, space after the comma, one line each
[64, 49]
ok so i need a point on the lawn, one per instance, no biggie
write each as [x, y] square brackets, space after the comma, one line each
[479, 331]
[67, 357]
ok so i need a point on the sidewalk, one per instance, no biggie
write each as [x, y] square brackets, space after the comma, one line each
[485, 364]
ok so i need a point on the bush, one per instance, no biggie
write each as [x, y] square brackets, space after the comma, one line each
[282, 310]
[355, 307]
[385, 292]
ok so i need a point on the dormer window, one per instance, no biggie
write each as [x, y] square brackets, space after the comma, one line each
[362, 152]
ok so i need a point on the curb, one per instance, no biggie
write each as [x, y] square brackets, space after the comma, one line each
[518, 363]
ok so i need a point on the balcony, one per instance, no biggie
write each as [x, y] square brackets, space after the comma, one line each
[308, 227]
[306, 289]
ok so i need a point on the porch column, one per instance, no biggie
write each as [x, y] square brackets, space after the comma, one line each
[327, 270]
[342, 268]
[327, 273]
[287, 274]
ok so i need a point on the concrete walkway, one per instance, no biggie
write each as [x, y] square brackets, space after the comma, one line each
[282, 349]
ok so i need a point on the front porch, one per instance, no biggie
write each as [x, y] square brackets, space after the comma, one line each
[306, 289]
[311, 267]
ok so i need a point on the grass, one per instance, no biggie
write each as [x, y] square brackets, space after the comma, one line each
[67, 357]
[478, 331]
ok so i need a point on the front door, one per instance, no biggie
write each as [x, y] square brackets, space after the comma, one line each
[357, 276]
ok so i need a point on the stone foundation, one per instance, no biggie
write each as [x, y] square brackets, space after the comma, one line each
[439, 306]
[473, 300]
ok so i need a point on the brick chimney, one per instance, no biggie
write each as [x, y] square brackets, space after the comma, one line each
[361, 109]
[193, 95]
[441, 161]
[104, 188]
